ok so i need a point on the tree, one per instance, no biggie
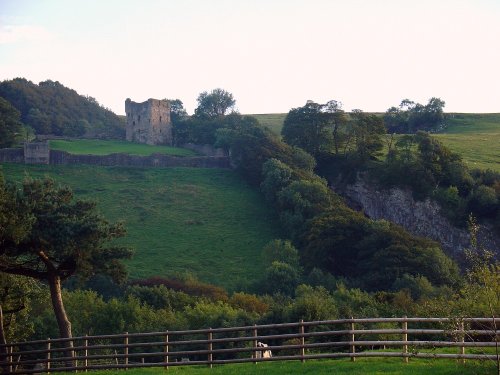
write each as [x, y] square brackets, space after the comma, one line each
[214, 104]
[51, 236]
[177, 111]
[10, 123]
[308, 127]
[410, 117]
[338, 123]
[368, 130]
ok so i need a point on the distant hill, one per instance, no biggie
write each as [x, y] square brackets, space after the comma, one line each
[51, 108]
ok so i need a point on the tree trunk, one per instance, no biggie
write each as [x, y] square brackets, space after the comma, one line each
[61, 316]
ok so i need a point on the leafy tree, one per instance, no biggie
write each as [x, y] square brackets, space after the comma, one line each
[60, 237]
[249, 302]
[411, 117]
[177, 111]
[281, 251]
[308, 127]
[276, 176]
[10, 124]
[312, 303]
[213, 104]
[484, 201]
[302, 200]
[281, 277]
[367, 133]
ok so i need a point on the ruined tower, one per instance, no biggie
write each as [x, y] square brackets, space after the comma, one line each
[149, 122]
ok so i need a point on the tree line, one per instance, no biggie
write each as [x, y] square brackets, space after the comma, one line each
[51, 108]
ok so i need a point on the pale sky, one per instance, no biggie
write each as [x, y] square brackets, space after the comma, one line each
[273, 55]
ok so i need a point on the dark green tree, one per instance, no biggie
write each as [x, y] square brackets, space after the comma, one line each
[177, 111]
[213, 104]
[367, 134]
[308, 127]
[51, 236]
[10, 123]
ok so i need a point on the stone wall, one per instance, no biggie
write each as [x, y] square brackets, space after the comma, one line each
[36, 153]
[11, 155]
[422, 218]
[126, 160]
[206, 149]
[149, 122]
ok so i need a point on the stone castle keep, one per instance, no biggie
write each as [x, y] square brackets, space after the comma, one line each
[149, 122]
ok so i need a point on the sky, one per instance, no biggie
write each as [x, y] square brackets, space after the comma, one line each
[272, 55]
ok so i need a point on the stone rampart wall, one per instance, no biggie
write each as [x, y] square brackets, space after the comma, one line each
[11, 155]
[16, 155]
[126, 160]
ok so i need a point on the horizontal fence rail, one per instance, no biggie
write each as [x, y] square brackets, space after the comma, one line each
[467, 338]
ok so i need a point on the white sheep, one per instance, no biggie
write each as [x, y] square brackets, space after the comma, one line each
[263, 353]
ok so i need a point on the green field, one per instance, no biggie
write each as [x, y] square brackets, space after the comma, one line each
[204, 221]
[326, 367]
[103, 147]
[273, 121]
[475, 136]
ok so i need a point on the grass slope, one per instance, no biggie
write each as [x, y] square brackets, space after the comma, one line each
[204, 221]
[273, 121]
[475, 136]
[102, 147]
[327, 367]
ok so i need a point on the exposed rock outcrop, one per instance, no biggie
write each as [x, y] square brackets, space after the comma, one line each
[422, 218]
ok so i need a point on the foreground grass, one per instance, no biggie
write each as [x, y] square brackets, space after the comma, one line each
[103, 147]
[204, 221]
[386, 366]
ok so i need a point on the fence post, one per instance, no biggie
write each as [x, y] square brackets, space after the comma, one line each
[86, 352]
[210, 347]
[462, 340]
[254, 353]
[47, 358]
[405, 338]
[353, 347]
[125, 351]
[10, 359]
[165, 350]
[302, 340]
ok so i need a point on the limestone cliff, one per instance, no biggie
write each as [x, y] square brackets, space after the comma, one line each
[421, 218]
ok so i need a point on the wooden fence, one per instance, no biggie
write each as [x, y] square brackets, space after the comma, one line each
[471, 338]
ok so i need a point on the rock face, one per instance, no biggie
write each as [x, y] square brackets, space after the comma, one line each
[149, 122]
[421, 218]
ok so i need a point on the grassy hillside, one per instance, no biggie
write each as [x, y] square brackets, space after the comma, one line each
[204, 221]
[273, 121]
[101, 147]
[474, 136]
[326, 367]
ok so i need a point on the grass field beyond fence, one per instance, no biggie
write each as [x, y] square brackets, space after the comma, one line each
[205, 221]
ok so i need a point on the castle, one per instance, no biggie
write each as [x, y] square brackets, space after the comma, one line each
[149, 122]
